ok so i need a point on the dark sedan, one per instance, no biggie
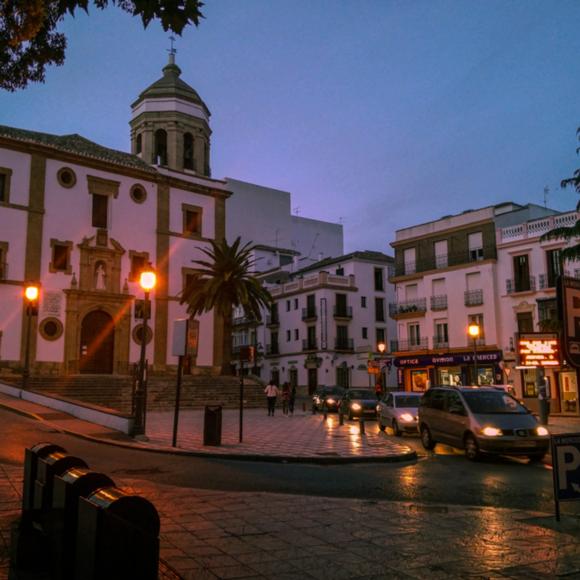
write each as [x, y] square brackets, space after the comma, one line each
[328, 398]
[358, 403]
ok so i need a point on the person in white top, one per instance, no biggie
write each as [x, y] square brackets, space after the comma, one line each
[271, 391]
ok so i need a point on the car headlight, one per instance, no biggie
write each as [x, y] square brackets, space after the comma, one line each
[542, 431]
[407, 417]
[491, 432]
[330, 402]
[355, 407]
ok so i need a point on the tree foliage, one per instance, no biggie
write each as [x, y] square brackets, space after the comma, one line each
[223, 283]
[29, 41]
[571, 254]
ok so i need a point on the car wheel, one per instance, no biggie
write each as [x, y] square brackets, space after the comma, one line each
[396, 430]
[381, 426]
[536, 457]
[427, 439]
[471, 448]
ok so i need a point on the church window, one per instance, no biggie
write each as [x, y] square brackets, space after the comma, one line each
[3, 260]
[160, 147]
[139, 144]
[100, 210]
[66, 177]
[51, 328]
[188, 151]
[5, 175]
[138, 262]
[191, 220]
[60, 257]
[206, 170]
[138, 193]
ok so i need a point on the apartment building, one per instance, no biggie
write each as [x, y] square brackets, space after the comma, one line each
[325, 322]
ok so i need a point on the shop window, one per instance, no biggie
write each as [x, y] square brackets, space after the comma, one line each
[420, 381]
[100, 211]
[66, 177]
[61, 257]
[5, 175]
[191, 220]
[529, 382]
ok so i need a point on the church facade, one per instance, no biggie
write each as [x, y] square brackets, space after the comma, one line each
[82, 221]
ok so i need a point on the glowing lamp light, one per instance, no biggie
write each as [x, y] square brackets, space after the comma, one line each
[473, 330]
[31, 293]
[148, 280]
[381, 347]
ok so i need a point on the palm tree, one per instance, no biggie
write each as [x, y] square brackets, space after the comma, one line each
[572, 253]
[223, 283]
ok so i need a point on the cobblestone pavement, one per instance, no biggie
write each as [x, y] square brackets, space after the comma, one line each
[211, 534]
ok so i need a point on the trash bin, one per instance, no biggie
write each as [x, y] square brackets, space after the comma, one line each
[212, 425]
[117, 537]
[68, 488]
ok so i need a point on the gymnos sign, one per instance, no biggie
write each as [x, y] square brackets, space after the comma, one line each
[449, 360]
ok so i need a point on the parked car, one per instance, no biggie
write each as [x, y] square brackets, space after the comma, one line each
[480, 420]
[398, 410]
[327, 397]
[359, 403]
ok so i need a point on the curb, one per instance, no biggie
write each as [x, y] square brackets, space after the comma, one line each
[401, 458]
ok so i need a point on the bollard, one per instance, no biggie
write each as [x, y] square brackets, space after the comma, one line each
[212, 425]
[53, 464]
[73, 484]
[340, 417]
[31, 457]
[325, 416]
[117, 538]
[361, 424]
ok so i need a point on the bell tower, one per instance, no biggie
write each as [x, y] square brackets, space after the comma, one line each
[170, 124]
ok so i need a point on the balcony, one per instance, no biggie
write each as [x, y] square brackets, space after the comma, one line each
[245, 321]
[344, 344]
[272, 320]
[313, 282]
[409, 345]
[473, 298]
[547, 281]
[309, 314]
[440, 342]
[308, 345]
[412, 307]
[272, 349]
[439, 302]
[521, 285]
[536, 228]
[343, 312]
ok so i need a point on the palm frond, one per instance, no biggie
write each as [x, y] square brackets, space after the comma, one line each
[571, 254]
[562, 233]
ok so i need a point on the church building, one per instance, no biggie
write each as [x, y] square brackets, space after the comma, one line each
[81, 221]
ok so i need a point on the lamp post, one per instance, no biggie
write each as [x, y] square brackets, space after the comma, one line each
[474, 331]
[147, 281]
[31, 294]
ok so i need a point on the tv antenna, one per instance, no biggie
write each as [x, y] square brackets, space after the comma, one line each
[546, 193]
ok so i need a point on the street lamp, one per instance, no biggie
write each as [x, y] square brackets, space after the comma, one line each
[381, 346]
[147, 281]
[474, 331]
[31, 294]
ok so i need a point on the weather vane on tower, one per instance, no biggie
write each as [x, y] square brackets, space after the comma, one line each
[172, 50]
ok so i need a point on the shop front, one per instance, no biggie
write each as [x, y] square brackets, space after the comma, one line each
[420, 372]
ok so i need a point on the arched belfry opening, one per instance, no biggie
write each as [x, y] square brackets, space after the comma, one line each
[170, 124]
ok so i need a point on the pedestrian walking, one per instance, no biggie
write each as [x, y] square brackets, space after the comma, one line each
[379, 390]
[285, 398]
[271, 391]
[292, 399]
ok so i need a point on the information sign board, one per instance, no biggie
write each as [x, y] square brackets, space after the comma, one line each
[538, 350]
[566, 468]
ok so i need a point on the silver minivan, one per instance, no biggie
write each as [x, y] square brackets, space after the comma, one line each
[480, 420]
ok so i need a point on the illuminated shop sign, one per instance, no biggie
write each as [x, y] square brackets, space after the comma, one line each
[538, 350]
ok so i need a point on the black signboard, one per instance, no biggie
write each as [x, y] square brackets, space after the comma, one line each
[566, 468]
[569, 311]
[448, 359]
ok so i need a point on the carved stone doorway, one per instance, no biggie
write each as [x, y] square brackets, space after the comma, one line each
[97, 343]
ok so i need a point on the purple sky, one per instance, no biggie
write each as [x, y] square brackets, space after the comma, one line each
[380, 114]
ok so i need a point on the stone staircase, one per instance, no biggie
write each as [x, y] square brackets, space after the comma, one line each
[115, 391]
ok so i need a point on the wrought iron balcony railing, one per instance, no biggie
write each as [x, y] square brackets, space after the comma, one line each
[473, 297]
[418, 305]
[521, 285]
[409, 345]
[439, 302]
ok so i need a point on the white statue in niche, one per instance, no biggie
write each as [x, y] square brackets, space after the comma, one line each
[100, 276]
